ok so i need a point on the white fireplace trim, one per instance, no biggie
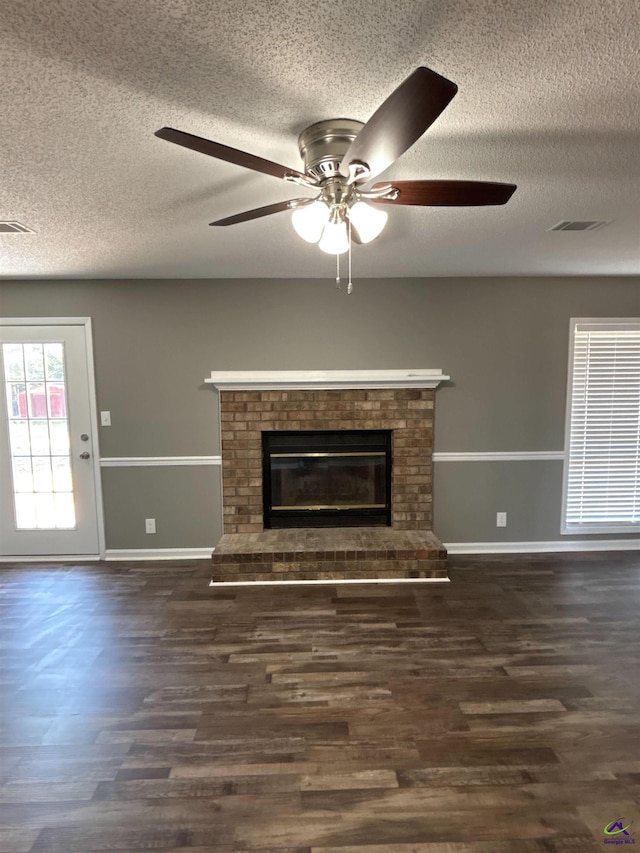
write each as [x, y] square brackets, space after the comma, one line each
[323, 380]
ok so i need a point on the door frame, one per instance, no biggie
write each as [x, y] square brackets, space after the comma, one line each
[93, 414]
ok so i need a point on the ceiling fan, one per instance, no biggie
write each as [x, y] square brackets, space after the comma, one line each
[342, 155]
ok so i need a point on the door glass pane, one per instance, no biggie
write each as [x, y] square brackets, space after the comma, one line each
[59, 434]
[34, 361]
[14, 362]
[19, 437]
[56, 400]
[36, 400]
[39, 430]
[45, 510]
[35, 388]
[54, 361]
[16, 399]
[22, 474]
[61, 474]
[64, 509]
[42, 479]
[25, 511]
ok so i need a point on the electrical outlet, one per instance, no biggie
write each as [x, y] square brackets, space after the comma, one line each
[149, 525]
[501, 519]
[105, 418]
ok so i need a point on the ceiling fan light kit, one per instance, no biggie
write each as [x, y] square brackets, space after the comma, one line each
[342, 155]
[326, 224]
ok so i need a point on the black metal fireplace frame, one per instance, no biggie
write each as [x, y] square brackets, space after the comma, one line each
[344, 441]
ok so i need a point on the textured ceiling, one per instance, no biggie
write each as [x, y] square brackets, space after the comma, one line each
[549, 99]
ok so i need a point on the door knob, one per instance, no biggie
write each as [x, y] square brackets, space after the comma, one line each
[85, 455]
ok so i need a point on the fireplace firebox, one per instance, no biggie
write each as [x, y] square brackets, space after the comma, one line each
[327, 479]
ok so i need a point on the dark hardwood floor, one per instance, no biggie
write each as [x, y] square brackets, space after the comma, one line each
[143, 710]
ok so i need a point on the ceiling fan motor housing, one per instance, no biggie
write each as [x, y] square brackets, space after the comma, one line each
[323, 145]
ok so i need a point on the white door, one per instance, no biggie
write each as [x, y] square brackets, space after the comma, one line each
[48, 471]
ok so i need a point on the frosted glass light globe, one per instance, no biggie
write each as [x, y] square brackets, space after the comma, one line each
[308, 221]
[367, 220]
[334, 240]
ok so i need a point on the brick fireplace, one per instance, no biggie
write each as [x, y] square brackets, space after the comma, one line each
[401, 402]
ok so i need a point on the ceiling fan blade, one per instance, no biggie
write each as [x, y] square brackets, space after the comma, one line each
[447, 193]
[400, 121]
[267, 210]
[224, 152]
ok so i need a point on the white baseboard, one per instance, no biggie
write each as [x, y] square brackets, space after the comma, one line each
[158, 553]
[51, 558]
[564, 546]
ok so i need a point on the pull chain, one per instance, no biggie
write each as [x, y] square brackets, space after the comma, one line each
[350, 283]
[338, 271]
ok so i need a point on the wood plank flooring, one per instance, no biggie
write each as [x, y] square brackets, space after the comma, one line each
[144, 710]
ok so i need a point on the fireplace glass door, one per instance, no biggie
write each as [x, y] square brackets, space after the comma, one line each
[327, 479]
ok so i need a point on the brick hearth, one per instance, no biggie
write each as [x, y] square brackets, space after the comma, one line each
[347, 553]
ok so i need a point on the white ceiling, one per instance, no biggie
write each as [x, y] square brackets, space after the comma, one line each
[549, 99]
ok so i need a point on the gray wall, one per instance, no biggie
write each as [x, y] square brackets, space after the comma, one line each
[503, 341]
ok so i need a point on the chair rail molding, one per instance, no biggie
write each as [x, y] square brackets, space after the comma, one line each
[153, 461]
[497, 456]
[445, 456]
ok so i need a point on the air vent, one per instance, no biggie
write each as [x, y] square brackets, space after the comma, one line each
[579, 225]
[13, 227]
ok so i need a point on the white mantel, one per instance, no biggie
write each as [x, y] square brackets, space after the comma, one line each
[284, 380]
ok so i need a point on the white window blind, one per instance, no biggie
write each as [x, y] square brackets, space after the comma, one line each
[602, 454]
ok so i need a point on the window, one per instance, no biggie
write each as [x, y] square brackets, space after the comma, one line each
[602, 444]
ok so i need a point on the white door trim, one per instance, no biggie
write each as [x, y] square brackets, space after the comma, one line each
[93, 403]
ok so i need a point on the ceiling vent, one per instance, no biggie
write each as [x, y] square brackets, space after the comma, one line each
[579, 225]
[10, 226]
